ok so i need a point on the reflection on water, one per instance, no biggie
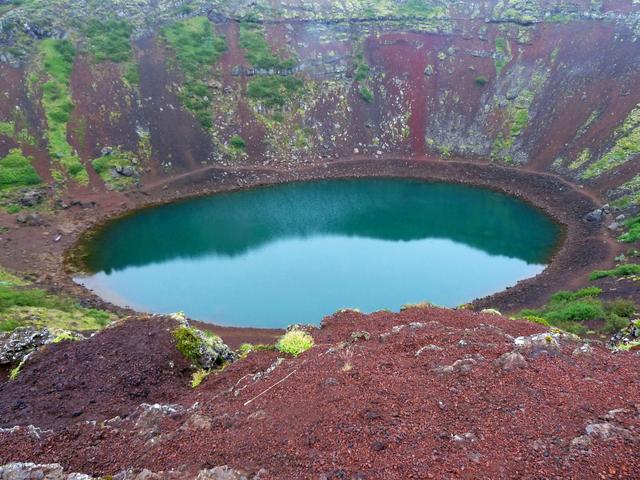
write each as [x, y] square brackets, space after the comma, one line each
[293, 253]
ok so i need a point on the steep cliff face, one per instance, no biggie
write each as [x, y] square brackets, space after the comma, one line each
[116, 95]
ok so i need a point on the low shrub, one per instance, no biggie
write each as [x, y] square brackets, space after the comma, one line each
[565, 296]
[624, 270]
[295, 342]
[621, 307]
[615, 323]
[568, 310]
[577, 311]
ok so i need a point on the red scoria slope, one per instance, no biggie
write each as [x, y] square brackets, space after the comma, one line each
[427, 393]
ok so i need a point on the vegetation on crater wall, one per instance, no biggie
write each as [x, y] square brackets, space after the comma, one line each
[16, 171]
[633, 230]
[23, 305]
[109, 40]
[569, 310]
[258, 52]
[277, 87]
[197, 48]
[110, 168]
[55, 64]
[502, 54]
[624, 270]
[626, 147]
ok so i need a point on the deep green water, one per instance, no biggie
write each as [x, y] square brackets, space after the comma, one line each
[297, 252]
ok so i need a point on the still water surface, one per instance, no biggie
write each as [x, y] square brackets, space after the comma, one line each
[293, 253]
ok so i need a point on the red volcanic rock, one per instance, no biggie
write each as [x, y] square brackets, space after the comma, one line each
[433, 393]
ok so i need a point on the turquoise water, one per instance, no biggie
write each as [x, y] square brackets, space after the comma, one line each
[294, 253]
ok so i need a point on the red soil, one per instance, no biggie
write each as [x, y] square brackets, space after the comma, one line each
[358, 409]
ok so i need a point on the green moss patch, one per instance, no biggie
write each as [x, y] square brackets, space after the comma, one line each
[22, 305]
[259, 53]
[55, 66]
[626, 147]
[502, 55]
[274, 91]
[366, 94]
[16, 171]
[197, 48]
[109, 40]
[237, 143]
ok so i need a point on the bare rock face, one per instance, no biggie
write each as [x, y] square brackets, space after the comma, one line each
[31, 471]
[15, 346]
[54, 471]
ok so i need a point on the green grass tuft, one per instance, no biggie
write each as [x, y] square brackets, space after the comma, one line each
[295, 342]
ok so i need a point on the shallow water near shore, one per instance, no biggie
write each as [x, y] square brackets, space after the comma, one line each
[294, 253]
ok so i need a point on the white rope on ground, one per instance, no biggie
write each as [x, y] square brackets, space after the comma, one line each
[265, 391]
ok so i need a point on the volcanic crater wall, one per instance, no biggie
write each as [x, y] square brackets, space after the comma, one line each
[545, 86]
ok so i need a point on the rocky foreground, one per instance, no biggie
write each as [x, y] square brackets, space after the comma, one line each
[426, 393]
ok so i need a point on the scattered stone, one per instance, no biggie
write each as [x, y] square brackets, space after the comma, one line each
[427, 348]
[377, 446]
[512, 361]
[585, 349]
[463, 366]
[16, 345]
[595, 216]
[360, 335]
[490, 311]
[31, 198]
[607, 431]
[30, 219]
[464, 438]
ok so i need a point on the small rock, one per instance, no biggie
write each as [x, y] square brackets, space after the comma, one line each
[15, 346]
[31, 198]
[377, 446]
[360, 335]
[31, 219]
[595, 216]
[427, 348]
[585, 349]
[512, 361]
